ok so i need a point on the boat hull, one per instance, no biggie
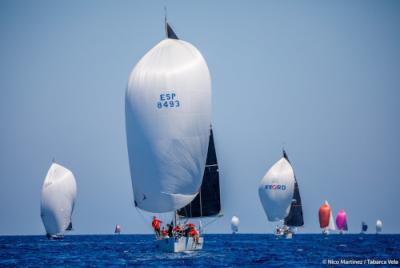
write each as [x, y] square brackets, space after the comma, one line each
[180, 244]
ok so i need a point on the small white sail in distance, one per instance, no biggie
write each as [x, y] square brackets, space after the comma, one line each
[168, 118]
[379, 226]
[276, 190]
[235, 224]
[58, 199]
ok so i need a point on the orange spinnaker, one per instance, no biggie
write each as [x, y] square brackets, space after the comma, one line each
[324, 214]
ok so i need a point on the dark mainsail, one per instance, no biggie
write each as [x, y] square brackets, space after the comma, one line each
[69, 228]
[295, 217]
[364, 227]
[207, 203]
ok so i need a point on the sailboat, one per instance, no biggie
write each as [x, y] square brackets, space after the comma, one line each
[117, 229]
[341, 221]
[379, 226]
[364, 227]
[280, 197]
[235, 224]
[325, 216]
[168, 119]
[57, 201]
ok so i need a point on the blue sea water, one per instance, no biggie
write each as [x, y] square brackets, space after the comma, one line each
[219, 250]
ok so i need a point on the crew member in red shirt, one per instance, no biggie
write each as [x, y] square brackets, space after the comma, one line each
[156, 223]
[193, 233]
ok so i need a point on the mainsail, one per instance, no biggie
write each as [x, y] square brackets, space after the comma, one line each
[168, 117]
[207, 203]
[331, 222]
[364, 227]
[276, 190]
[58, 199]
[295, 217]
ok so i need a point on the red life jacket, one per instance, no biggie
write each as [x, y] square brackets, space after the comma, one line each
[156, 224]
[193, 232]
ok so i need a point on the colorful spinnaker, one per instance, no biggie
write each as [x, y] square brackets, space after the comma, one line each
[341, 221]
[325, 216]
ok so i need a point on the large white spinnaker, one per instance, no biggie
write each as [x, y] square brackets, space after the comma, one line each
[168, 117]
[58, 200]
[276, 190]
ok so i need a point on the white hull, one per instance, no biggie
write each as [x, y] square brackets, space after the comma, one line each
[325, 232]
[180, 244]
[287, 235]
[55, 236]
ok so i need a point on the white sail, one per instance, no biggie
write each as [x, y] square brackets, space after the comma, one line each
[379, 226]
[168, 116]
[331, 226]
[58, 199]
[235, 224]
[276, 190]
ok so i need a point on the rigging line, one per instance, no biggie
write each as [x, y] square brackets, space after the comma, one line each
[208, 223]
[143, 219]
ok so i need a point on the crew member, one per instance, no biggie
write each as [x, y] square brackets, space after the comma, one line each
[193, 233]
[156, 223]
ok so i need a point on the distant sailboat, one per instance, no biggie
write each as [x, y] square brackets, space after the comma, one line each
[341, 221]
[57, 201]
[235, 224]
[117, 229]
[280, 197]
[326, 221]
[364, 227]
[379, 226]
[168, 118]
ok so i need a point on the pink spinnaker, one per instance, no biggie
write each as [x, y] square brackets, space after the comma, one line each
[341, 220]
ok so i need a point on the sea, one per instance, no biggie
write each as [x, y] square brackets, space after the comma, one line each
[220, 250]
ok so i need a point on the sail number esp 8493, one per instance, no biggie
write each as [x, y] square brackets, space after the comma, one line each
[168, 100]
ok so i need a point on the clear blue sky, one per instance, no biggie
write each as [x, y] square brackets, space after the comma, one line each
[320, 77]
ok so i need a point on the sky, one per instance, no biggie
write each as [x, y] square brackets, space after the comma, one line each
[321, 78]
